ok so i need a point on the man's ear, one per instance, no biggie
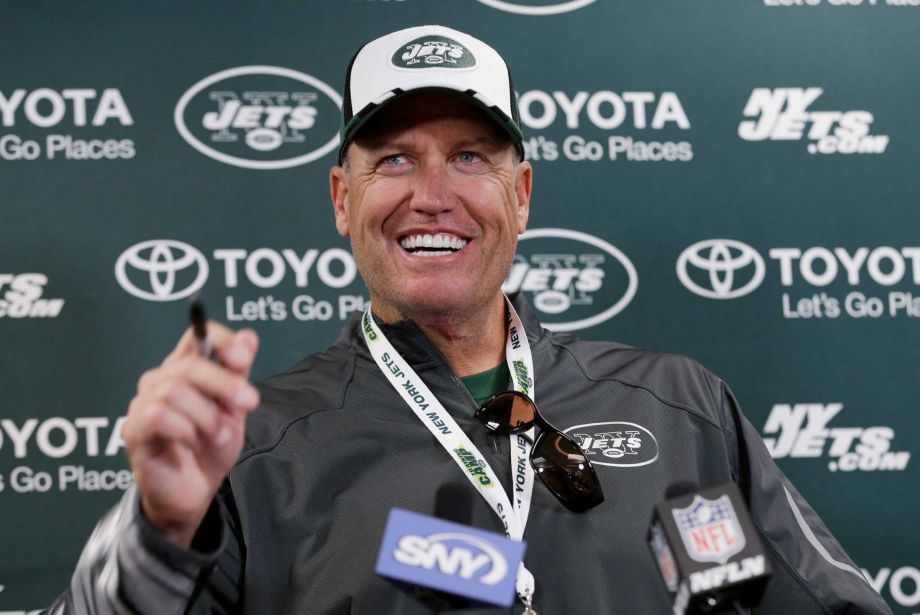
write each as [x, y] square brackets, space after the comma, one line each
[523, 186]
[338, 190]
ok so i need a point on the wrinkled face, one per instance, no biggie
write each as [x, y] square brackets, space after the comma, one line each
[433, 197]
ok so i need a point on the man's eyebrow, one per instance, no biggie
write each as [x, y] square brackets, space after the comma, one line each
[490, 142]
[375, 146]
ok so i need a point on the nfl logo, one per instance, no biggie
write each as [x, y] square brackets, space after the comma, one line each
[710, 529]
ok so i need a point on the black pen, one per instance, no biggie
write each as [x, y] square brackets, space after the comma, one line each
[200, 327]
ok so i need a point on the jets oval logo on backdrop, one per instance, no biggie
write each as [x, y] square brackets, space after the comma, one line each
[260, 117]
[522, 7]
[617, 443]
[573, 279]
[720, 268]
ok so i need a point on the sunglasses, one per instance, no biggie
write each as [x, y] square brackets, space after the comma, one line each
[557, 460]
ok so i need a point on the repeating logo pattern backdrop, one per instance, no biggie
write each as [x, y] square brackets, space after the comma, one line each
[732, 181]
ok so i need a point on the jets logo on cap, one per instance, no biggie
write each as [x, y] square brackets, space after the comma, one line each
[433, 52]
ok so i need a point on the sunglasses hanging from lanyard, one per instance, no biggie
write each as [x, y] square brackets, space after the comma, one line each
[556, 458]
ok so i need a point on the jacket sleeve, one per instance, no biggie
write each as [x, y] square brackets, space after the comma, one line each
[811, 571]
[127, 567]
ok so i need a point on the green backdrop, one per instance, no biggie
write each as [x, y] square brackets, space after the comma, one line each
[735, 181]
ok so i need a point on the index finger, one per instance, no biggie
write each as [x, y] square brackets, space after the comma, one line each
[220, 337]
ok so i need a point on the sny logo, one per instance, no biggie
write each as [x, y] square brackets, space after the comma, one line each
[454, 554]
[449, 557]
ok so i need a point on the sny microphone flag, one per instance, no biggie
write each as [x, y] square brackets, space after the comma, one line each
[449, 557]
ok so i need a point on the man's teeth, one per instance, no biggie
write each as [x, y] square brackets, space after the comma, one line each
[433, 245]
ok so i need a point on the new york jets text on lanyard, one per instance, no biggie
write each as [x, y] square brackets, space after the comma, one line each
[445, 429]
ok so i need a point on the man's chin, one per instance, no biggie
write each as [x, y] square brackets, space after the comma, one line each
[435, 301]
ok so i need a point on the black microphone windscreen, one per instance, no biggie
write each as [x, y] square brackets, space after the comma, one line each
[454, 502]
[679, 488]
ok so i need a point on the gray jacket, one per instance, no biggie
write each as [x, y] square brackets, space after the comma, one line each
[297, 526]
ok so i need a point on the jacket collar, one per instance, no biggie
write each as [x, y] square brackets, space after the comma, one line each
[415, 347]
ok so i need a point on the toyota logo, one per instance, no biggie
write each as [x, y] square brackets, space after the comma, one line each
[734, 269]
[161, 270]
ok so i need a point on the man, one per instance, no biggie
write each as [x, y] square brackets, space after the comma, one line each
[432, 191]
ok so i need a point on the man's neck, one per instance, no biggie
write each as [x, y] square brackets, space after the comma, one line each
[471, 342]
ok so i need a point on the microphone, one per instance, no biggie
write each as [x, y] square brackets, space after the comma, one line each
[454, 502]
[707, 550]
[444, 561]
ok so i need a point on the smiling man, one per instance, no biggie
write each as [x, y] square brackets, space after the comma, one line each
[433, 196]
[281, 509]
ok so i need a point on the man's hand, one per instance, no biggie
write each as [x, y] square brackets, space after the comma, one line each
[185, 426]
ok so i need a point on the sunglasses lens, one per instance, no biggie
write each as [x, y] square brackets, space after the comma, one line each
[507, 412]
[556, 458]
[566, 471]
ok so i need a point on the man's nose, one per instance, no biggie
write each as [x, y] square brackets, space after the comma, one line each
[432, 193]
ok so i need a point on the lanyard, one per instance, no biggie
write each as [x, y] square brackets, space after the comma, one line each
[457, 444]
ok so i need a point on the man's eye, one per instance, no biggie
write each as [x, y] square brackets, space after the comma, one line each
[468, 157]
[393, 160]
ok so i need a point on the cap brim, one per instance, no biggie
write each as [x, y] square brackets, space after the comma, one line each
[492, 111]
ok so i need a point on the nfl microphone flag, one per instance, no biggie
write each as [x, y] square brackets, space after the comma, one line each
[707, 549]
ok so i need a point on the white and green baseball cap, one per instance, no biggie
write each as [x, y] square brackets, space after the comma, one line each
[426, 57]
